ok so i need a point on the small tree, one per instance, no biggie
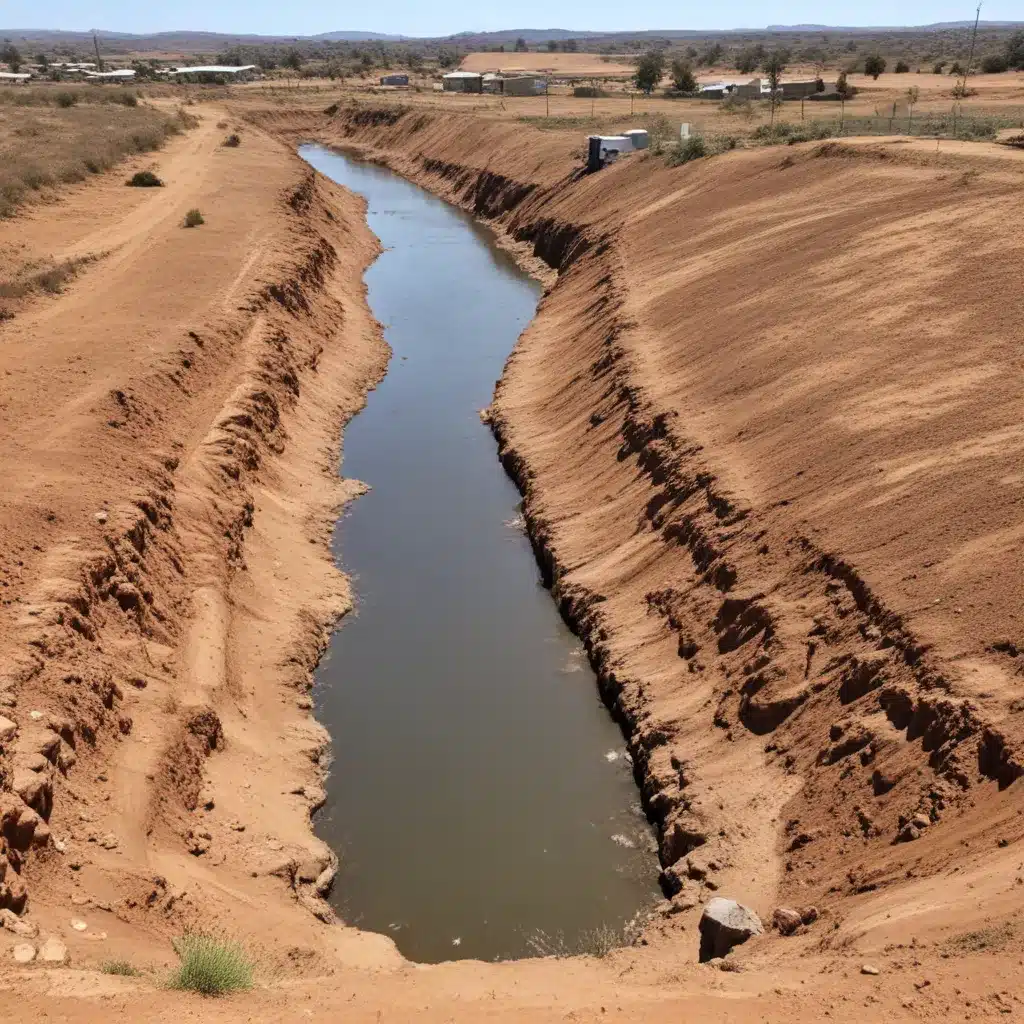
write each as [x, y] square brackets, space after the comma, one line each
[874, 66]
[902, 67]
[844, 90]
[11, 56]
[521, 46]
[683, 78]
[773, 67]
[571, 46]
[292, 60]
[939, 67]
[913, 94]
[994, 64]
[649, 69]
[1015, 51]
[552, 46]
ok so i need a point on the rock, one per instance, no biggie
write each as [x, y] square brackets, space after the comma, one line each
[724, 924]
[109, 841]
[920, 821]
[78, 924]
[100, 517]
[198, 842]
[10, 922]
[35, 715]
[808, 915]
[53, 951]
[24, 953]
[908, 833]
[786, 921]
[869, 969]
[8, 730]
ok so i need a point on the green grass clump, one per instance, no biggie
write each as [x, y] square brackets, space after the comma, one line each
[692, 148]
[211, 966]
[144, 179]
[120, 967]
[193, 218]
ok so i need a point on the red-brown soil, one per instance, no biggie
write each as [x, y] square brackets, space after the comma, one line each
[766, 424]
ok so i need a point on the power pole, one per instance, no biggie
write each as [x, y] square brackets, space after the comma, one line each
[970, 56]
[96, 46]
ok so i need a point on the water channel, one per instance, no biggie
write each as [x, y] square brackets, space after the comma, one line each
[480, 798]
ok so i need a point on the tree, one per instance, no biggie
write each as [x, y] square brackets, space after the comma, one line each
[773, 67]
[994, 64]
[902, 67]
[571, 46]
[913, 95]
[521, 46]
[874, 65]
[748, 58]
[293, 60]
[844, 90]
[683, 78]
[552, 46]
[940, 66]
[712, 55]
[649, 69]
[446, 59]
[1015, 51]
[10, 55]
[42, 60]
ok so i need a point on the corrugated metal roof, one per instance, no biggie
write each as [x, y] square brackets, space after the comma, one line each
[462, 74]
[215, 69]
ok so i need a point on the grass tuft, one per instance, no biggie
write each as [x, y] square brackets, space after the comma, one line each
[211, 966]
[193, 218]
[232, 141]
[119, 967]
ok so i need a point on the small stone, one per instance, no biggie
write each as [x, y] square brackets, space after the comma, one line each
[59, 845]
[786, 921]
[869, 969]
[100, 517]
[35, 715]
[78, 924]
[24, 953]
[237, 826]
[8, 730]
[109, 841]
[908, 833]
[920, 821]
[53, 951]
[80, 901]
[304, 703]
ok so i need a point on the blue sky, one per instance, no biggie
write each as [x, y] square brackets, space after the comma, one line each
[420, 18]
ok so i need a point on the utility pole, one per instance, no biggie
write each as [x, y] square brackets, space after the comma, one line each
[970, 56]
[96, 47]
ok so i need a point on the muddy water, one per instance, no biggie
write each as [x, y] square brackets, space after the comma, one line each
[479, 798]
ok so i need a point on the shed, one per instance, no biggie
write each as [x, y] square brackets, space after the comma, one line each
[799, 90]
[462, 81]
[638, 137]
[524, 85]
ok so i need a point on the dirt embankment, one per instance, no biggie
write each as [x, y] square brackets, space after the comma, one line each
[170, 445]
[765, 429]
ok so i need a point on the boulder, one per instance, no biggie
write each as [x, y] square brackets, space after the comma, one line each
[725, 924]
[24, 953]
[8, 730]
[10, 922]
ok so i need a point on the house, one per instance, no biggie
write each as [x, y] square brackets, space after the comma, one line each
[462, 81]
[394, 80]
[799, 90]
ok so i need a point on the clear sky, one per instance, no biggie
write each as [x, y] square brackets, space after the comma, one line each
[421, 18]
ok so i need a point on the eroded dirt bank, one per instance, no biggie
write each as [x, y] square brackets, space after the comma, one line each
[766, 427]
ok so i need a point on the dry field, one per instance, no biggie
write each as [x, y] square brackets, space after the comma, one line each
[568, 65]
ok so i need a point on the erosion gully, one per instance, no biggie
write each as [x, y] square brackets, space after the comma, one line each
[480, 797]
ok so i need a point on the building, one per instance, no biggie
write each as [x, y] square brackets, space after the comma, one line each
[219, 73]
[462, 81]
[14, 77]
[524, 85]
[121, 75]
[394, 80]
[800, 90]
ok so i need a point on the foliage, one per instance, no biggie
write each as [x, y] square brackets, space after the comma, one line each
[293, 60]
[748, 58]
[773, 66]
[66, 99]
[521, 46]
[649, 69]
[10, 55]
[692, 148]
[211, 966]
[193, 218]
[874, 65]
[232, 141]
[902, 67]
[1015, 51]
[144, 179]
[683, 78]
[844, 90]
[939, 68]
[994, 64]
[120, 967]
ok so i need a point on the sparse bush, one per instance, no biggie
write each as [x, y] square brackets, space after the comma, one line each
[939, 68]
[874, 66]
[211, 966]
[902, 67]
[125, 98]
[193, 218]
[736, 105]
[144, 179]
[995, 64]
[120, 967]
[692, 148]
[232, 141]
[66, 99]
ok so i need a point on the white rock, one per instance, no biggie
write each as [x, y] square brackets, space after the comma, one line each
[78, 924]
[724, 924]
[53, 951]
[24, 953]
[35, 715]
